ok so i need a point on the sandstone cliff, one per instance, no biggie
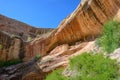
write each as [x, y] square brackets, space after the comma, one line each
[84, 24]
[14, 27]
[13, 37]
[74, 35]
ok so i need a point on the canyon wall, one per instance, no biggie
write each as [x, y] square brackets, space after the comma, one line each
[84, 24]
[14, 35]
[14, 27]
[75, 34]
[11, 47]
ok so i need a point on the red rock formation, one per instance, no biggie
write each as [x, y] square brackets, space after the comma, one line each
[85, 23]
[13, 36]
[10, 47]
[14, 27]
[60, 58]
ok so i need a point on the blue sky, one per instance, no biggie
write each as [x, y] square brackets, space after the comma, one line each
[39, 13]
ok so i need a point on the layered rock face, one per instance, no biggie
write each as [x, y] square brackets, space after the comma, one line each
[14, 27]
[13, 37]
[84, 24]
[74, 35]
[11, 47]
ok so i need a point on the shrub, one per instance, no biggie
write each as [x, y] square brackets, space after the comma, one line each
[37, 57]
[13, 36]
[8, 63]
[29, 38]
[1, 46]
[56, 75]
[111, 36]
[93, 67]
[89, 67]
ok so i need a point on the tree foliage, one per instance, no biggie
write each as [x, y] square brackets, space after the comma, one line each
[89, 66]
[110, 39]
[93, 67]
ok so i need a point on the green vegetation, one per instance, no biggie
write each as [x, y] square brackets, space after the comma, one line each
[56, 75]
[8, 63]
[1, 46]
[89, 66]
[37, 57]
[110, 39]
[29, 38]
[13, 36]
[93, 67]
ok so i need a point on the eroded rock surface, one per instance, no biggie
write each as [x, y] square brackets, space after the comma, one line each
[84, 24]
[14, 27]
[10, 47]
[13, 37]
[21, 71]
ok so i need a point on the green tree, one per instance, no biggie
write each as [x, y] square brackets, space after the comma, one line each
[89, 66]
[110, 39]
[94, 67]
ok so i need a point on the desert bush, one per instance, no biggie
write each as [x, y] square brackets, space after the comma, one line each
[89, 66]
[37, 57]
[8, 63]
[29, 38]
[13, 36]
[1, 46]
[110, 39]
[56, 75]
[93, 67]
